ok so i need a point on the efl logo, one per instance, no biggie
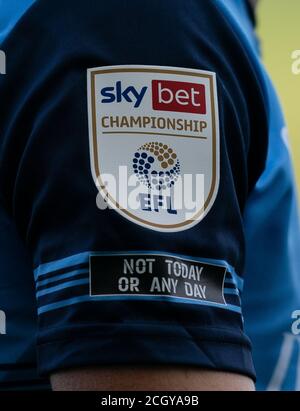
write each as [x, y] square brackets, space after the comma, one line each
[178, 96]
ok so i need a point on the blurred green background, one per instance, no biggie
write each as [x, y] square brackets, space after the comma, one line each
[279, 30]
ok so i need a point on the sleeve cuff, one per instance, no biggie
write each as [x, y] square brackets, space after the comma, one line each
[216, 349]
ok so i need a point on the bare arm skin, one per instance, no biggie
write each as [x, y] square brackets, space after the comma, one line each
[160, 378]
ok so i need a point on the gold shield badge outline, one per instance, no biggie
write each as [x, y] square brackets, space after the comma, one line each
[95, 164]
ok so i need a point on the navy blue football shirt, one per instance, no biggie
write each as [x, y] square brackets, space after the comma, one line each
[168, 94]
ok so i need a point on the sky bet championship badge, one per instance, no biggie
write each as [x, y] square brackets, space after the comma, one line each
[154, 143]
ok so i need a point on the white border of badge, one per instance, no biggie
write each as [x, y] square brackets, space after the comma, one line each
[95, 166]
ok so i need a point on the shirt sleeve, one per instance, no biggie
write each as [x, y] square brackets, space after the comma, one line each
[111, 290]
